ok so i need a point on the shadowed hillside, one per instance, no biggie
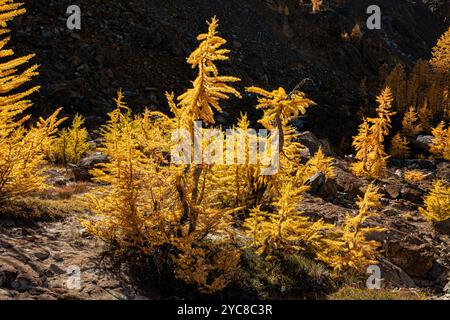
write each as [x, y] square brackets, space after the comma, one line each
[141, 45]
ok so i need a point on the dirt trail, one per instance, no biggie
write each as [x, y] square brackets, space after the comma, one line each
[36, 263]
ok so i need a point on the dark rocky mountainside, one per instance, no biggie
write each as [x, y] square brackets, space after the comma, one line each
[141, 47]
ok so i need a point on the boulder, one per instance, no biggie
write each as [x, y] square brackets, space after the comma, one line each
[442, 226]
[42, 255]
[412, 194]
[348, 183]
[329, 190]
[18, 275]
[415, 259]
[81, 171]
[392, 190]
[394, 275]
[322, 187]
[312, 143]
[315, 182]
[421, 164]
[56, 177]
[422, 144]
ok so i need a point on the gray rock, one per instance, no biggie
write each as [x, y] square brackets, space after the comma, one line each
[81, 170]
[23, 283]
[315, 182]
[42, 255]
[395, 275]
[55, 269]
[310, 141]
[348, 183]
[423, 143]
[328, 190]
[392, 190]
[412, 194]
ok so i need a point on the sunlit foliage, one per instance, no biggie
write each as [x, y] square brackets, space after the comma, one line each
[71, 143]
[21, 156]
[437, 203]
[370, 155]
[351, 250]
[441, 141]
[414, 175]
[400, 147]
[410, 123]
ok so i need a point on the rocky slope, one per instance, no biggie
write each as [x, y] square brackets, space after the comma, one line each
[36, 262]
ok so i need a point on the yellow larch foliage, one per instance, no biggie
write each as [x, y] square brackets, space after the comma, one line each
[184, 212]
[414, 175]
[428, 84]
[199, 103]
[133, 187]
[417, 84]
[316, 5]
[345, 37]
[71, 143]
[280, 109]
[441, 141]
[400, 147]
[280, 106]
[441, 53]
[21, 157]
[165, 208]
[194, 263]
[410, 123]
[240, 183]
[351, 250]
[209, 87]
[285, 230]
[320, 163]
[437, 203]
[370, 155]
[425, 117]
[244, 183]
[396, 81]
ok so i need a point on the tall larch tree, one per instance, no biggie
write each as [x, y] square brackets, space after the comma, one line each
[159, 207]
[370, 154]
[410, 123]
[21, 155]
[441, 54]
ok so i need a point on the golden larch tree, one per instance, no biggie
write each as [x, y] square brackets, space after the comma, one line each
[21, 156]
[316, 5]
[351, 250]
[370, 155]
[410, 124]
[71, 143]
[440, 146]
[425, 117]
[286, 230]
[155, 206]
[400, 147]
[441, 53]
[437, 203]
